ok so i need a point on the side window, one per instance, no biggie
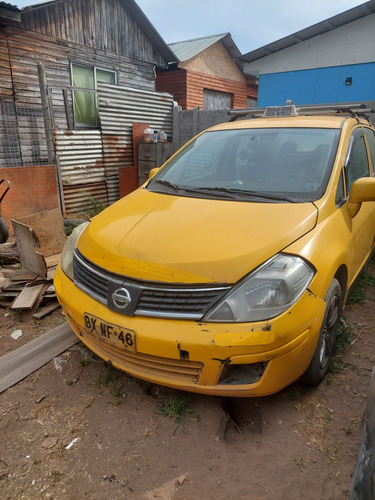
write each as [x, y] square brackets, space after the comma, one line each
[370, 136]
[357, 164]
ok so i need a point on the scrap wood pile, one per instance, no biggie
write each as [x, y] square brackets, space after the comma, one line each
[26, 274]
[27, 292]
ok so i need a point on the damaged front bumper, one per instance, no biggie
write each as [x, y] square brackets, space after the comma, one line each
[239, 359]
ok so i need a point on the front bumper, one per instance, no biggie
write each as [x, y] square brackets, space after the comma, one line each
[242, 359]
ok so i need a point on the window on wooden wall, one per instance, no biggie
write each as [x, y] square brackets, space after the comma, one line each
[251, 103]
[85, 102]
[213, 99]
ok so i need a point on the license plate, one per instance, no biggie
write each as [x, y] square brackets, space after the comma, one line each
[110, 332]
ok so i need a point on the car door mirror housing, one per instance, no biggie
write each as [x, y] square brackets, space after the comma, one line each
[362, 190]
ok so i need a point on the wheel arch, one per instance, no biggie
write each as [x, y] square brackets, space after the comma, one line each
[342, 277]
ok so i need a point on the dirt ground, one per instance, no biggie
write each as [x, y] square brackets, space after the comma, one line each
[78, 429]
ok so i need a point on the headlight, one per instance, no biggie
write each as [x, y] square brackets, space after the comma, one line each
[265, 293]
[67, 253]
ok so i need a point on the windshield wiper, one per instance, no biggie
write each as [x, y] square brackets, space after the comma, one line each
[253, 194]
[196, 190]
[168, 184]
[230, 193]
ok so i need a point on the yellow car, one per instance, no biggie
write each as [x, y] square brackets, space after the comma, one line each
[226, 273]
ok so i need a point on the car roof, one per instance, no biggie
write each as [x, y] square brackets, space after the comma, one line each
[290, 115]
[316, 121]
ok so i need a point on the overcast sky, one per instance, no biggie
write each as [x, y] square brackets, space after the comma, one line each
[252, 23]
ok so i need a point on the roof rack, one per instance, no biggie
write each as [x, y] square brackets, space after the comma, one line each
[355, 110]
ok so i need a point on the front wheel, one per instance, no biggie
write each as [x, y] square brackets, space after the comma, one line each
[4, 233]
[326, 343]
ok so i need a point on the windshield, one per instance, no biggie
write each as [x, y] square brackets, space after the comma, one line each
[271, 165]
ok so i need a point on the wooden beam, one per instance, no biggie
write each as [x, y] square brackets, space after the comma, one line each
[20, 363]
[27, 240]
[28, 296]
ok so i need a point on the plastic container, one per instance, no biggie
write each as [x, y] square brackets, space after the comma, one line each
[148, 135]
[162, 136]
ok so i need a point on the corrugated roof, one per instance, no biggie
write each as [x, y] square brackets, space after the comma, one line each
[9, 6]
[8, 11]
[329, 24]
[39, 4]
[189, 48]
[138, 15]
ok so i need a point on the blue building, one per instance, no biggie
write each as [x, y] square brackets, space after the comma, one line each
[330, 62]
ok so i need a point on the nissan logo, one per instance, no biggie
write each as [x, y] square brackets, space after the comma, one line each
[121, 298]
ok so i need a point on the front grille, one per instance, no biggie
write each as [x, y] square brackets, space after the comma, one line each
[148, 298]
[146, 366]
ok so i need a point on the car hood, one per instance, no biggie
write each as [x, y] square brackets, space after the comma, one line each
[159, 237]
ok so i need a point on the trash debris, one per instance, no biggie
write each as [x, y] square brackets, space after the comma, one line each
[71, 444]
[58, 362]
[16, 334]
[49, 443]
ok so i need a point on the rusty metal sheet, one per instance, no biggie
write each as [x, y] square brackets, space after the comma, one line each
[77, 197]
[80, 156]
[119, 108]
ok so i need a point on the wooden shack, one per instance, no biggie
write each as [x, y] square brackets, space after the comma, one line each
[54, 57]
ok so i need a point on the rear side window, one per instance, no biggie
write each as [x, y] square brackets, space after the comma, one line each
[370, 136]
[357, 165]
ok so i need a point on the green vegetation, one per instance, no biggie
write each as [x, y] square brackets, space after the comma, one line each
[296, 391]
[59, 322]
[55, 474]
[358, 294]
[104, 380]
[85, 362]
[69, 229]
[344, 335]
[95, 206]
[300, 462]
[178, 409]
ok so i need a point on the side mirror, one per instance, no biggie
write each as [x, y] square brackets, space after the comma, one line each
[362, 190]
[153, 172]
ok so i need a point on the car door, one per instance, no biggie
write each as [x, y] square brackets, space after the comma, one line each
[362, 225]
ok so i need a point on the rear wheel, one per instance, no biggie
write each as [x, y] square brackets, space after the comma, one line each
[326, 344]
[4, 233]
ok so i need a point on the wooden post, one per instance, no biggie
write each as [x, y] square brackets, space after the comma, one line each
[176, 124]
[195, 120]
[46, 114]
[67, 111]
[48, 127]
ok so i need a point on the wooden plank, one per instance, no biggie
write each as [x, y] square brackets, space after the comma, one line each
[27, 298]
[27, 240]
[53, 260]
[20, 363]
[49, 226]
[46, 310]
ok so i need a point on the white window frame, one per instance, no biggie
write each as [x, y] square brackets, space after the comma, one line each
[85, 89]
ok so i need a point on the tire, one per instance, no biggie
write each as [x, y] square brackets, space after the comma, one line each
[4, 232]
[326, 343]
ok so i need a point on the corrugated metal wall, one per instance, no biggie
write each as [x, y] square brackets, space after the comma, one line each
[119, 108]
[80, 159]
[92, 157]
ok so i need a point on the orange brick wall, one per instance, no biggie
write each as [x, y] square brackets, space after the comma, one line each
[187, 88]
